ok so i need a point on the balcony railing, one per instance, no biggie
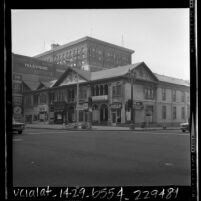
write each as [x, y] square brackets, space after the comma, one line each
[100, 98]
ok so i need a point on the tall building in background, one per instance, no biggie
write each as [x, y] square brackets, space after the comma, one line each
[88, 54]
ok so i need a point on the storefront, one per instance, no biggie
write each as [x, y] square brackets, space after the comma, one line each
[43, 113]
[116, 112]
[60, 112]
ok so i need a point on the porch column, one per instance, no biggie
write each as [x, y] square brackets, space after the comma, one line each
[109, 102]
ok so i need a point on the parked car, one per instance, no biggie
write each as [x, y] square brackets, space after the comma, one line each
[17, 126]
[184, 127]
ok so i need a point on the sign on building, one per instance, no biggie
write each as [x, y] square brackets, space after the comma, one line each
[138, 105]
[17, 110]
[115, 106]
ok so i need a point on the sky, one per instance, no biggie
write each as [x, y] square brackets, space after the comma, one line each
[159, 37]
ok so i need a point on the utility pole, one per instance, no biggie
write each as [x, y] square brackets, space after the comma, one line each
[77, 106]
[132, 76]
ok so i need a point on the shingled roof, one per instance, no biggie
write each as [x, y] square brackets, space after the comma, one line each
[113, 72]
[172, 80]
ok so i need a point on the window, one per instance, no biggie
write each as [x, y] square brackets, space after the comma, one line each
[27, 100]
[149, 93]
[105, 89]
[182, 96]
[163, 112]
[51, 98]
[116, 90]
[183, 112]
[42, 98]
[101, 90]
[35, 99]
[83, 93]
[174, 95]
[97, 90]
[174, 112]
[71, 95]
[163, 94]
[60, 96]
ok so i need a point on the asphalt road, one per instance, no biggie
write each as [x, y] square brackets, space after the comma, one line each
[43, 157]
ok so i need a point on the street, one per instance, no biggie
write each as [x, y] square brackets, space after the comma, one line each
[43, 157]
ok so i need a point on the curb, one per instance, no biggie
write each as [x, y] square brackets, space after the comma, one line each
[95, 129]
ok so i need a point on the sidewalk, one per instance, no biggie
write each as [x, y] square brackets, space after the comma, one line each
[63, 127]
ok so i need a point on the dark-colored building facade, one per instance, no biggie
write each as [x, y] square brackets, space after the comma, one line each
[88, 54]
[27, 74]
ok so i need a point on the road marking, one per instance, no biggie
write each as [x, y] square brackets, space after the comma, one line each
[42, 133]
[169, 164]
[17, 140]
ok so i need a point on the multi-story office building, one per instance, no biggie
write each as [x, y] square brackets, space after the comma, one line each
[157, 100]
[89, 54]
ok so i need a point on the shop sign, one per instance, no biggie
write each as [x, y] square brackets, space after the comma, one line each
[35, 66]
[43, 108]
[115, 106]
[17, 100]
[51, 115]
[100, 98]
[79, 107]
[17, 88]
[17, 110]
[138, 105]
[85, 106]
[59, 106]
[17, 77]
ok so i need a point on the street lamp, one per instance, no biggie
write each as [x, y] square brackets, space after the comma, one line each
[132, 77]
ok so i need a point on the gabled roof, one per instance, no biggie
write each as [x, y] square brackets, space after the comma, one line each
[118, 71]
[172, 80]
[32, 85]
[82, 73]
[104, 74]
[44, 85]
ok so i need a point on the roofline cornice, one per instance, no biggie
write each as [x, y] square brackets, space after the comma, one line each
[84, 39]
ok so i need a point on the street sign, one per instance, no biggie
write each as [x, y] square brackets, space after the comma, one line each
[17, 110]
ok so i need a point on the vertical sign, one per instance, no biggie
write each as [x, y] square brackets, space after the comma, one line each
[17, 96]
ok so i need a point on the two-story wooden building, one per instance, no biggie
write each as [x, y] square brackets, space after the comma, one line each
[158, 100]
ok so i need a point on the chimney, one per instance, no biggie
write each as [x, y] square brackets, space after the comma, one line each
[53, 46]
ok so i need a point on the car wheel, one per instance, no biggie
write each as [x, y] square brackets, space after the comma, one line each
[19, 132]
